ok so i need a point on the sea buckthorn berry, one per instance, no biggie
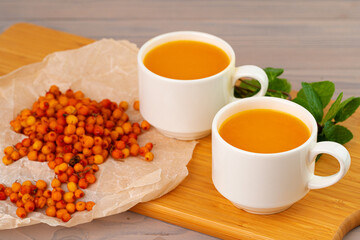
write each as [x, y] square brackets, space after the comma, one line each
[95, 167]
[26, 142]
[29, 206]
[30, 120]
[89, 205]
[74, 179]
[69, 197]
[7, 160]
[51, 211]
[71, 186]
[25, 189]
[87, 141]
[149, 146]
[56, 196]
[60, 213]
[68, 139]
[37, 145]
[40, 202]
[70, 207]
[143, 151]
[18, 146]
[23, 152]
[27, 183]
[55, 183]
[50, 157]
[46, 149]
[83, 183]
[14, 197]
[120, 130]
[124, 105]
[90, 178]
[41, 184]
[97, 149]
[120, 145]
[134, 149]
[117, 154]
[63, 177]
[66, 217]
[80, 206]
[71, 119]
[70, 129]
[41, 157]
[3, 196]
[27, 197]
[149, 156]
[127, 127]
[60, 204]
[79, 193]
[16, 187]
[47, 193]
[132, 141]
[117, 113]
[78, 167]
[32, 155]
[50, 202]
[98, 159]
[63, 167]
[20, 212]
[126, 152]
[19, 203]
[9, 150]
[145, 125]
[136, 105]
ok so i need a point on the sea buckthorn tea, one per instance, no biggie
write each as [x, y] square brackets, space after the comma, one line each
[185, 109]
[186, 60]
[264, 131]
[267, 178]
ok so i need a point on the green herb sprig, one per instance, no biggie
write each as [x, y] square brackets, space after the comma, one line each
[314, 97]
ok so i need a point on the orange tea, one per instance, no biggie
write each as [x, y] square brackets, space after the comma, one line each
[264, 131]
[186, 60]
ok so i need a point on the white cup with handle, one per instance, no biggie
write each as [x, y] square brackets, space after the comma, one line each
[266, 183]
[185, 109]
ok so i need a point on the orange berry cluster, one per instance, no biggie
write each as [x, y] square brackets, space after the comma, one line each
[29, 197]
[75, 134]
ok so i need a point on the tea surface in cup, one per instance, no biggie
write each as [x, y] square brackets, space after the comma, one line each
[264, 131]
[186, 60]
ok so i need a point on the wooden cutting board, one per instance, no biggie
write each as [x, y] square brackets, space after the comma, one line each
[195, 204]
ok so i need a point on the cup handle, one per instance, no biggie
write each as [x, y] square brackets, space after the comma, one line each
[340, 153]
[253, 72]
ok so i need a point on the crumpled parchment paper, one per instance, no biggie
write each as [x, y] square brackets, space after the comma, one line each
[104, 69]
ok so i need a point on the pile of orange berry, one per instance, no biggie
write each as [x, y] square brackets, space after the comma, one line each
[29, 197]
[73, 134]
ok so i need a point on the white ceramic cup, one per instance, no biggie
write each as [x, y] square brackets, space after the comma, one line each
[184, 109]
[269, 183]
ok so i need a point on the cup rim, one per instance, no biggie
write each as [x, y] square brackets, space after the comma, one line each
[169, 34]
[313, 134]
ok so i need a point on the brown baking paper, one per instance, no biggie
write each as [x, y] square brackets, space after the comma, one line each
[104, 69]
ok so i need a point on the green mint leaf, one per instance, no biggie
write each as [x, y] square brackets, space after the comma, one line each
[337, 133]
[280, 84]
[314, 102]
[277, 94]
[335, 107]
[302, 102]
[273, 73]
[347, 108]
[247, 88]
[324, 89]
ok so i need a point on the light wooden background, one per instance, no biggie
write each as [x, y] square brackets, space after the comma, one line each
[312, 40]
